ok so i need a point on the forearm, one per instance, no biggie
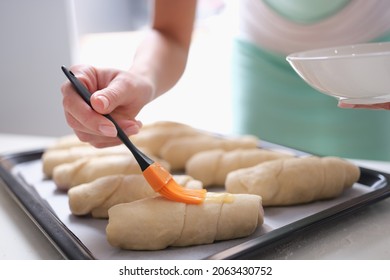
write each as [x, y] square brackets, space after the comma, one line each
[161, 60]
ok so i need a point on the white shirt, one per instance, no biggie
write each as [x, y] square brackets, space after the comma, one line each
[359, 21]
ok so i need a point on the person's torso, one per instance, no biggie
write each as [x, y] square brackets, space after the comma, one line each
[286, 26]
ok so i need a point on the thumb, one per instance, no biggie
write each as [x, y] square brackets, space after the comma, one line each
[106, 100]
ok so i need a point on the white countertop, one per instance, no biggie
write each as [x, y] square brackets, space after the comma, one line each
[24, 239]
[361, 235]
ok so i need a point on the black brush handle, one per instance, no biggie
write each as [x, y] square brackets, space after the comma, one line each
[143, 160]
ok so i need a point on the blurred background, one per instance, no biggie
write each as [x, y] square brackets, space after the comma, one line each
[41, 35]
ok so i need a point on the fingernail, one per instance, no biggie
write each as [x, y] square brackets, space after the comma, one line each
[108, 130]
[346, 105]
[104, 101]
[132, 129]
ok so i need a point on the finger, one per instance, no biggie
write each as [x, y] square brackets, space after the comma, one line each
[378, 106]
[98, 141]
[345, 105]
[80, 116]
[130, 127]
[102, 141]
[87, 75]
[108, 99]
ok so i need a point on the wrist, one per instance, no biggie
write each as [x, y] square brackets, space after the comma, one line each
[147, 84]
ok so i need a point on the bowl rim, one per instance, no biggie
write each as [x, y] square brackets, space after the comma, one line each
[314, 54]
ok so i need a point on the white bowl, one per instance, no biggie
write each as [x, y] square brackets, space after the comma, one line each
[356, 74]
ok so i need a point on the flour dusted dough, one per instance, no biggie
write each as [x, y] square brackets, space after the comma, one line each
[156, 223]
[295, 180]
[68, 175]
[212, 166]
[98, 196]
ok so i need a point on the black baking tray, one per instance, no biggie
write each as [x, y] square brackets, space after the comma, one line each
[71, 247]
[38, 210]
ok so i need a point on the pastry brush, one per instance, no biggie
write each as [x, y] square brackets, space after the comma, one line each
[157, 176]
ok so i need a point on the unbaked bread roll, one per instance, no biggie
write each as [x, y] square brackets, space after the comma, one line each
[67, 141]
[212, 166]
[156, 223]
[85, 170]
[154, 135]
[98, 196]
[54, 157]
[178, 151]
[295, 180]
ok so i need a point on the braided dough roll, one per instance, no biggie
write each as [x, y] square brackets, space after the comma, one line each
[156, 223]
[98, 196]
[85, 170]
[66, 142]
[153, 136]
[295, 180]
[178, 151]
[54, 157]
[212, 166]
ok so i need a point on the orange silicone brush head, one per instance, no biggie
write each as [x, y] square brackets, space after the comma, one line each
[163, 182]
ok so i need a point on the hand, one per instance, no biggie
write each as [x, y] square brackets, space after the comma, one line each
[121, 94]
[378, 106]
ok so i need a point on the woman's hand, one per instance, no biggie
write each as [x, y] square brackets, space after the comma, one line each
[379, 106]
[121, 94]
